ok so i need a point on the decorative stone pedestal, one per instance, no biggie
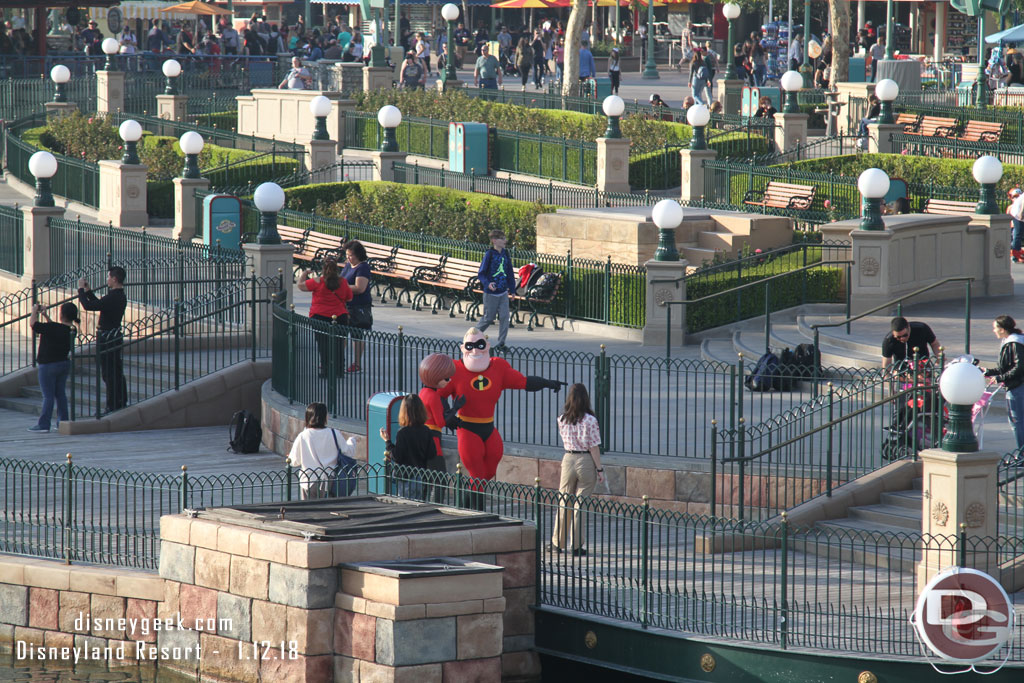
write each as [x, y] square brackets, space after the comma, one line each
[60, 108]
[172, 107]
[692, 171]
[790, 130]
[270, 260]
[383, 164]
[730, 94]
[109, 92]
[445, 86]
[658, 294]
[37, 241]
[123, 194]
[959, 488]
[320, 154]
[613, 164]
[185, 224]
[879, 134]
[996, 259]
[377, 78]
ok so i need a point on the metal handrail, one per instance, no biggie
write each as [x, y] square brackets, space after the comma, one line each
[766, 282]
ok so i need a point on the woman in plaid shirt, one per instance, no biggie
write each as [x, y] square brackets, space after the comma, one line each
[581, 468]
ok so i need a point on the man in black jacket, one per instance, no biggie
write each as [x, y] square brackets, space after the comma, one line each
[109, 339]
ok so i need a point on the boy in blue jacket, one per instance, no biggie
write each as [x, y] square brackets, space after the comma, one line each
[499, 284]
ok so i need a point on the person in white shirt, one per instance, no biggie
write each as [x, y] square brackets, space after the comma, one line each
[581, 470]
[796, 52]
[315, 452]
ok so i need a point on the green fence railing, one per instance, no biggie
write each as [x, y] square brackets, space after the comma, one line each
[954, 148]
[12, 240]
[21, 96]
[75, 179]
[661, 406]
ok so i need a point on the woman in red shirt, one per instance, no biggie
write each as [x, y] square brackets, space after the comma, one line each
[331, 293]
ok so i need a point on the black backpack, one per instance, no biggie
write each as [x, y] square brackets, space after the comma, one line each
[807, 360]
[765, 374]
[544, 288]
[788, 370]
[244, 432]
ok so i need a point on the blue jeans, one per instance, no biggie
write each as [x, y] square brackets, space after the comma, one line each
[489, 83]
[1017, 236]
[698, 93]
[759, 72]
[53, 378]
[1015, 404]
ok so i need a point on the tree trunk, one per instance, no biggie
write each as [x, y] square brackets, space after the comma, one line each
[839, 13]
[573, 32]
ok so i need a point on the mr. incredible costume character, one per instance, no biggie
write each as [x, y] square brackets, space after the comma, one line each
[480, 379]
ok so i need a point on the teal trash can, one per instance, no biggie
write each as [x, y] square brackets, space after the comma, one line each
[467, 147]
[381, 411]
[774, 93]
[858, 70]
[602, 88]
[222, 221]
[965, 93]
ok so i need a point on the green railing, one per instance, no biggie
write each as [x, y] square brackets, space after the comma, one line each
[661, 406]
[204, 87]
[12, 240]
[562, 159]
[196, 337]
[212, 135]
[523, 190]
[748, 288]
[954, 148]
[75, 179]
[760, 470]
[771, 583]
[1012, 118]
[21, 96]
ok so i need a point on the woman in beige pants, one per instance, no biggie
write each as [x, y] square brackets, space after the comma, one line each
[581, 468]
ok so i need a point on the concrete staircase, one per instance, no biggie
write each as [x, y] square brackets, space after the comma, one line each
[854, 538]
[727, 233]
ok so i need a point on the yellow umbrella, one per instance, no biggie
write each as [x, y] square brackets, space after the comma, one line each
[530, 4]
[196, 7]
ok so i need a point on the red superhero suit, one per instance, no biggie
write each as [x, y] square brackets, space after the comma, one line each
[480, 379]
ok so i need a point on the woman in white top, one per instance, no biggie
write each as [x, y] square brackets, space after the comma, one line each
[581, 469]
[423, 52]
[315, 452]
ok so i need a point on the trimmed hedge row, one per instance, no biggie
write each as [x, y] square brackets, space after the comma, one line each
[436, 211]
[660, 169]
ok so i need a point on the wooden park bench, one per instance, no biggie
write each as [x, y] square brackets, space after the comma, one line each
[532, 298]
[401, 270]
[948, 207]
[981, 131]
[449, 284]
[935, 127]
[909, 122]
[778, 195]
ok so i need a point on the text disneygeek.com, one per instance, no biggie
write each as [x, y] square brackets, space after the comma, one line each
[143, 651]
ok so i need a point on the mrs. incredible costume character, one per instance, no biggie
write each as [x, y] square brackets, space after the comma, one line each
[480, 379]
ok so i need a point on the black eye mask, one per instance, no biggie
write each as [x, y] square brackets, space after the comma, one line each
[478, 344]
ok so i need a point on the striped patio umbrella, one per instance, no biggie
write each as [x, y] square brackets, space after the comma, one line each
[531, 4]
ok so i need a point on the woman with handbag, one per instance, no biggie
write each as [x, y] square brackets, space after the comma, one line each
[413, 446]
[360, 310]
[317, 452]
[581, 469]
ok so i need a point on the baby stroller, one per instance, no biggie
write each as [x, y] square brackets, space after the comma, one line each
[980, 409]
[912, 425]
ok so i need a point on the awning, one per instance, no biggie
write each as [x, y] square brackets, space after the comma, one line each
[1010, 35]
[477, 3]
[143, 10]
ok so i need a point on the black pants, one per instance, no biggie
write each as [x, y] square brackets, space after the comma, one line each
[614, 76]
[538, 73]
[109, 344]
[324, 341]
[524, 71]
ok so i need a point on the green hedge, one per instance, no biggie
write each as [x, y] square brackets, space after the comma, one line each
[222, 120]
[660, 169]
[419, 209]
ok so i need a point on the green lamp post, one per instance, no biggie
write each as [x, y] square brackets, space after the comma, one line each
[651, 67]
[987, 170]
[961, 385]
[873, 185]
[667, 215]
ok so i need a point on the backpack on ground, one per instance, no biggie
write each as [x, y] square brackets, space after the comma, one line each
[765, 373]
[788, 370]
[244, 432]
[807, 360]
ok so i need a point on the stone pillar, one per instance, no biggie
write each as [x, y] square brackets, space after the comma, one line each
[655, 329]
[879, 141]
[37, 241]
[270, 260]
[959, 488]
[940, 31]
[790, 130]
[109, 92]
[730, 94]
[996, 257]
[445, 86]
[321, 154]
[172, 107]
[613, 164]
[341, 107]
[123, 194]
[377, 78]
[60, 108]
[849, 116]
[383, 168]
[185, 223]
[692, 168]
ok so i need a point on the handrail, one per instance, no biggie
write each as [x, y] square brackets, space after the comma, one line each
[766, 282]
[899, 312]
